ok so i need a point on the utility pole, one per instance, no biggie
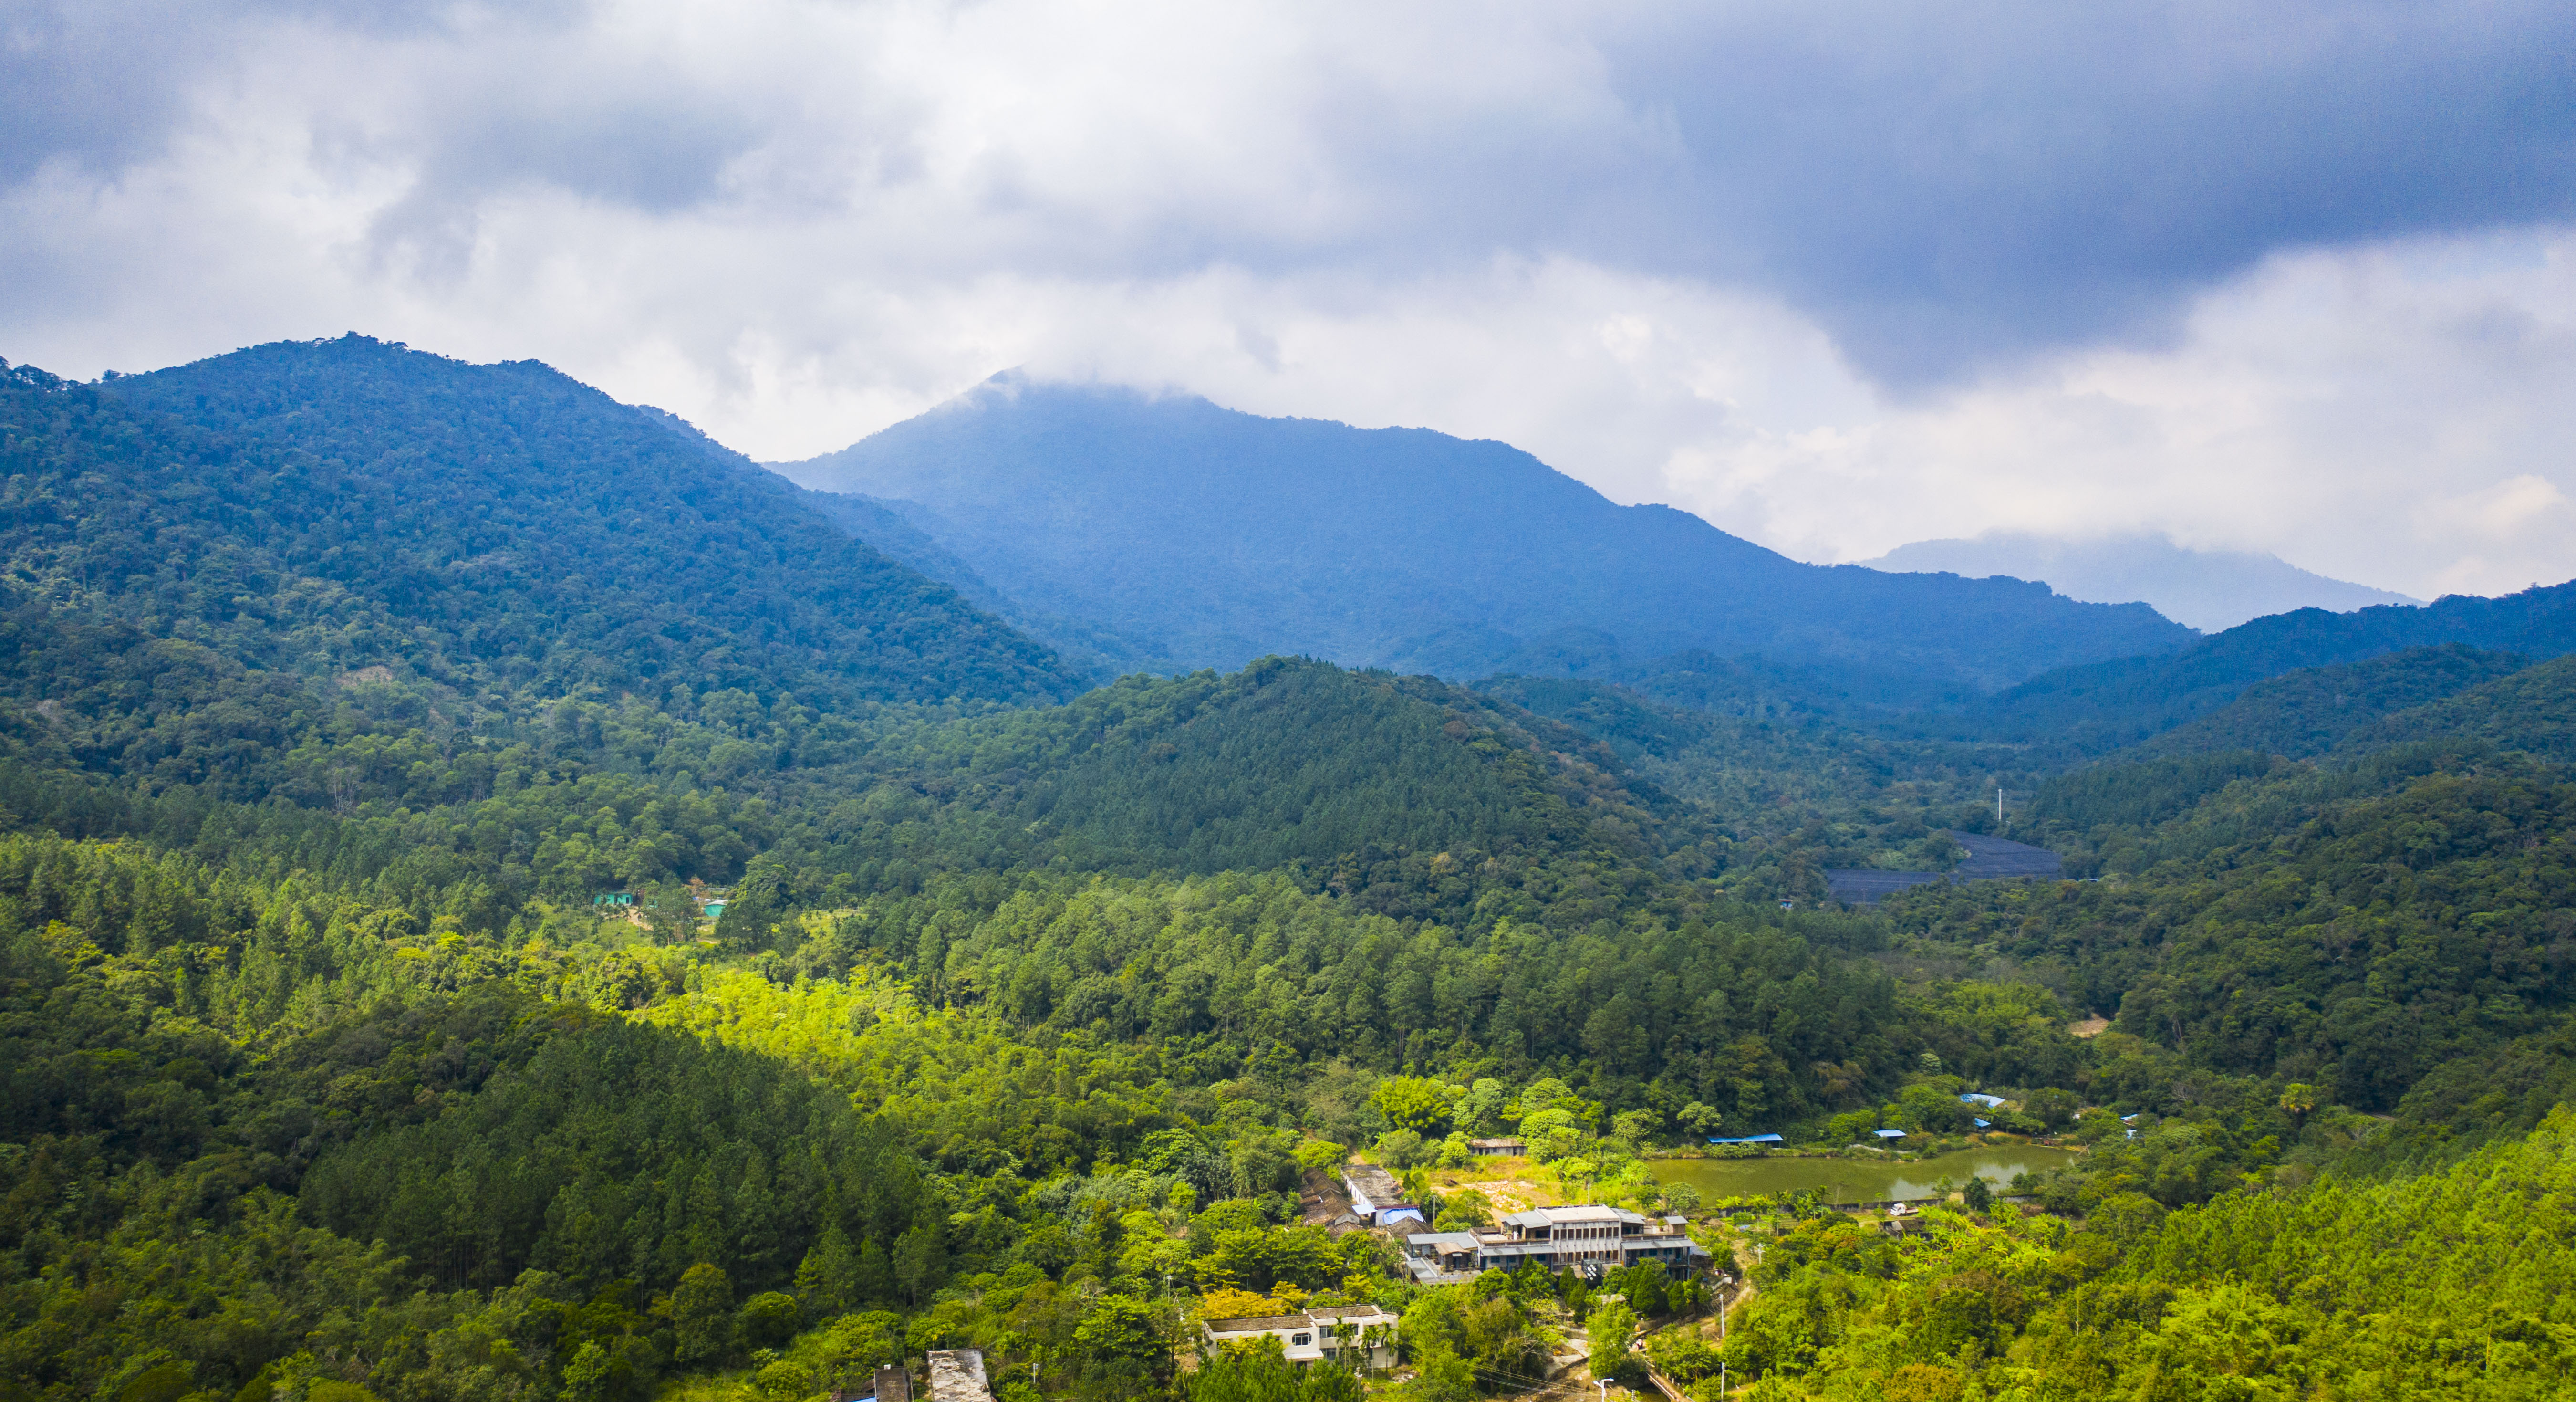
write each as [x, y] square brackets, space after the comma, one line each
[1999, 809]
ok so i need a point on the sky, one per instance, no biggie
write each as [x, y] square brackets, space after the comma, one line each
[2295, 277]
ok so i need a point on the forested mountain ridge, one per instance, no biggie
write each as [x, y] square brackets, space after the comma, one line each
[2532, 710]
[1201, 536]
[324, 508]
[1298, 762]
[1419, 795]
[2315, 709]
[2351, 927]
[1791, 785]
[2102, 706]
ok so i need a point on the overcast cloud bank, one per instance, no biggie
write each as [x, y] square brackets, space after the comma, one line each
[2293, 280]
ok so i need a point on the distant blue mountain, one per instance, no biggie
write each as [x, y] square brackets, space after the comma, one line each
[2207, 589]
[1171, 533]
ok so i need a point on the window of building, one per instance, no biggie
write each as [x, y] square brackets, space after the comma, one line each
[1301, 1340]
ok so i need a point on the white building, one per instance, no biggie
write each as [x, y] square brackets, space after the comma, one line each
[1588, 1239]
[1321, 1335]
[1377, 1199]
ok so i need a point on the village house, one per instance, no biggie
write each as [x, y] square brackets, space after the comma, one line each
[1588, 1239]
[1497, 1148]
[1377, 1199]
[1321, 1335]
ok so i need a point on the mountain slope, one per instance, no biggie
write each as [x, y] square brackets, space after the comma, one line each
[2207, 589]
[325, 508]
[2102, 706]
[1286, 763]
[2312, 710]
[2351, 926]
[884, 526]
[1208, 536]
[2532, 710]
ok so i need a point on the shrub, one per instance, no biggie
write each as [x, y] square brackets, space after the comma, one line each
[768, 1319]
[1401, 1149]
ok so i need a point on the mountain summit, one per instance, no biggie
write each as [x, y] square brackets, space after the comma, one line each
[354, 506]
[1184, 535]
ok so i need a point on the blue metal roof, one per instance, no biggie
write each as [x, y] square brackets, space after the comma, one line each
[1752, 1139]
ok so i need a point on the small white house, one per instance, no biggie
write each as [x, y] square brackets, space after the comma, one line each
[1377, 1199]
[1320, 1335]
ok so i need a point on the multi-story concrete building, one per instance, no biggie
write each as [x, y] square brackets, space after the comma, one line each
[1588, 1239]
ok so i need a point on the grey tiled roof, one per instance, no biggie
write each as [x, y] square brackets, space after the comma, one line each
[1259, 1323]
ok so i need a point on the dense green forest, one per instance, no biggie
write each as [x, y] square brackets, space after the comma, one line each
[1030, 1016]
[2314, 709]
[494, 530]
[2096, 707]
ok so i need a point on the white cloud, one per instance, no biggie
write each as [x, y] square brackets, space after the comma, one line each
[795, 222]
[2399, 416]
[2357, 412]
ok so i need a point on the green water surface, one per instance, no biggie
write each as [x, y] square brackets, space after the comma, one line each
[1854, 1180]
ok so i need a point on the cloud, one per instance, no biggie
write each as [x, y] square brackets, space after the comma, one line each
[1945, 186]
[1837, 277]
[2397, 415]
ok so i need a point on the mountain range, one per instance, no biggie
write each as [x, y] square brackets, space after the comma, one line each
[503, 898]
[1168, 533]
[2211, 590]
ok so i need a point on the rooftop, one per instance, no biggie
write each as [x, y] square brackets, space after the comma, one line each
[1567, 1216]
[1313, 1318]
[1372, 1182]
[1258, 1323]
[1349, 1312]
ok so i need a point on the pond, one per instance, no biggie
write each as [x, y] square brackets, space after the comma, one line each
[1856, 1180]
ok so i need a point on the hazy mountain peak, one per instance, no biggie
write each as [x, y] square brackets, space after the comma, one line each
[2211, 590]
[1177, 533]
